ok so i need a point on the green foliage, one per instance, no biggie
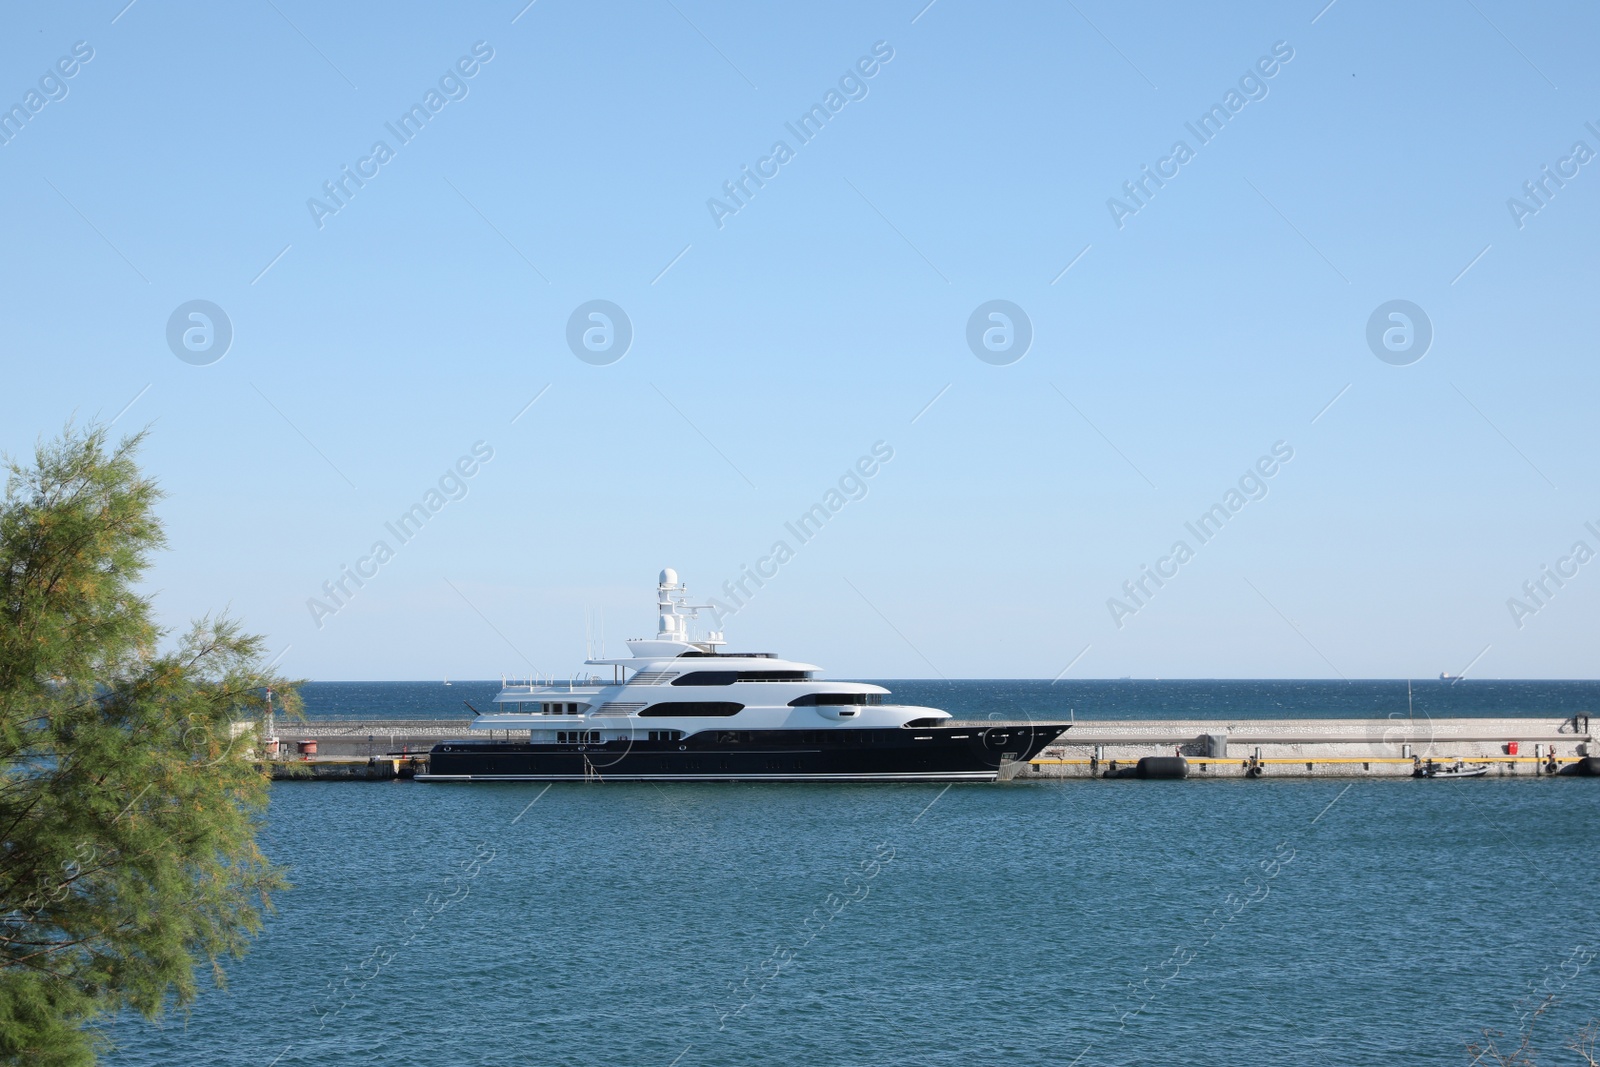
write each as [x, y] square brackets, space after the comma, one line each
[128, 803]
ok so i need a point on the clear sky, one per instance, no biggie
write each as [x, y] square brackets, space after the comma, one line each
[969, 153]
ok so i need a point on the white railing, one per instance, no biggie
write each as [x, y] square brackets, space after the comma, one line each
[565, 685]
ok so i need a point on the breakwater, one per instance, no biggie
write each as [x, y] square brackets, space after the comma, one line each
[377, 749]
[1319, 748]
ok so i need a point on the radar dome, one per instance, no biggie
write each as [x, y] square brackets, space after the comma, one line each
[669, 577]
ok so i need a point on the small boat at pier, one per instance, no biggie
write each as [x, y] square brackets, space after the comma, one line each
[1458, 769]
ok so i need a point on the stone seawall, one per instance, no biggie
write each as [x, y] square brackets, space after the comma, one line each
[1212, 748]
[1224, 748]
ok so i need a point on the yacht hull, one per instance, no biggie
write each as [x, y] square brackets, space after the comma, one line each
[934, 754]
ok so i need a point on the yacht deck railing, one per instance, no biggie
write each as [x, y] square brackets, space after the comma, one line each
[561, 685]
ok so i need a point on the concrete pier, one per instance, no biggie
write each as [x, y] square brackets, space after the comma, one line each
[338, 769]
[367, 738]
[384, 749]
[1317, 748]
[362, 750]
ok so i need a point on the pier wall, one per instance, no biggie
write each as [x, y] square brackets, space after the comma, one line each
[1214, 748]
[1316, 748]
[364, 738]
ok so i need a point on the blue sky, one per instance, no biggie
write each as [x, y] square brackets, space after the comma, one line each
[370, 353]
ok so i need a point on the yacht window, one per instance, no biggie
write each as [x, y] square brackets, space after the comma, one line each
[729, 677]
[828, 699]
[691, 707]
[707, 678]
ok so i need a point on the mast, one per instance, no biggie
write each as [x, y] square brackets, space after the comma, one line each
[675, 613]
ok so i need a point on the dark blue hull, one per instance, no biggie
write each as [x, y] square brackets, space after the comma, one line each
[935, 754]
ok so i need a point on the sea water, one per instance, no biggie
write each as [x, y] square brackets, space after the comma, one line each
[1028, 698]
[1096, 922]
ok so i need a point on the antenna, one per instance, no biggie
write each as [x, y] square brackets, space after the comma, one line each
[672, 602]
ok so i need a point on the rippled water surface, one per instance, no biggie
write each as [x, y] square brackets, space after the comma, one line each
[1147, 922]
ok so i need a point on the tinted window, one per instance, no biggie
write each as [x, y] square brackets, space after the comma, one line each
[708, 678]
[729, 677]
[811, 700]
[691, 707]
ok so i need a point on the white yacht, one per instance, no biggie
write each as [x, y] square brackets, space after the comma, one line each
[681, 709]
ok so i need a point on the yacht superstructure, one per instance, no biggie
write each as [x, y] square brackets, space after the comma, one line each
[680, 708]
